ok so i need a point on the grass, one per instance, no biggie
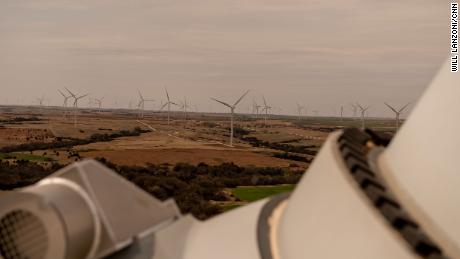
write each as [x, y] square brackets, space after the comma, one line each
[20, 156]
[253, 193]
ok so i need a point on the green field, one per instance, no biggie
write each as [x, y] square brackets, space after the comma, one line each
[253, 193]
[21, 156]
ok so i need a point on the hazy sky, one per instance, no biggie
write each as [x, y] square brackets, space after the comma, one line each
[319, 53]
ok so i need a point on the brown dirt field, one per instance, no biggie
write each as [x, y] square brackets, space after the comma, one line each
[191, 156]
[14, 136]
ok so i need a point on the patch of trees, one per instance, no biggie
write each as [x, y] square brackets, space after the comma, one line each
[23, 173]
[70, 142]
[210, 124]
[109, 129]
[192, 187]
[318, 128]
[290, 156]
[281, 146]
[18, 120]
[100, 137]
[239, 132]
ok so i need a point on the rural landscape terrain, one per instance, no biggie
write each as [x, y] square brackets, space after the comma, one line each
[187, 157]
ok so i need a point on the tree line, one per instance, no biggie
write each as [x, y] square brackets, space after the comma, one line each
[192, 187]
[70, 142]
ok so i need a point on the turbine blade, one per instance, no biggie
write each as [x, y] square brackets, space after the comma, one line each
[389, 106]
[167, 94]
[140, 95]
[226, 104]
[241, 98]
[265, 102]
[62, 93]
[404, 107]
[162, 107]
[73, 95]
[82, 96]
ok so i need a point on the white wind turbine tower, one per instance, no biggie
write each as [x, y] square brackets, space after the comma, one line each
[299, 111]
[66, 98]
[99, 102]
[341, 113]
[90, 102]
[184, 105]
[278, 110]
[316, 112]
[141, 104]
[75, 104]
[168, 104]
[363, 113]
[265, 108]
[255, 108]
[40, 101]
[65, 103]
[397, 113]
[354, 109]
[232, 112]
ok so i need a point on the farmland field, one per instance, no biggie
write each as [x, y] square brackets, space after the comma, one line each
[187, 159]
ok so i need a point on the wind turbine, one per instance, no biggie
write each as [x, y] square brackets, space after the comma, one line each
[341, 113]
[232, 112]
[397, 112]
[99, 102]
[255, 108]
[141, 104]
[316, 112]
[40, 101]
[184, 105]
[66, 98]
[354, 109]
[299, 110]
[266, 108]
[363, 112]
[168, 104]
[75, 105]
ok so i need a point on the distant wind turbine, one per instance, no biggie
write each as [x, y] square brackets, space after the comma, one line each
[354, 109]
[184, 105]
[99, 102]
[363, 113]
[168, 104]
[397, 112]
[341, 113]
[255, 108]
[299, 111]
[65, 103]
[265, 108]
[75, 104]
[40, 101]
[232, 112]
[66, 98]
[141, 104]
